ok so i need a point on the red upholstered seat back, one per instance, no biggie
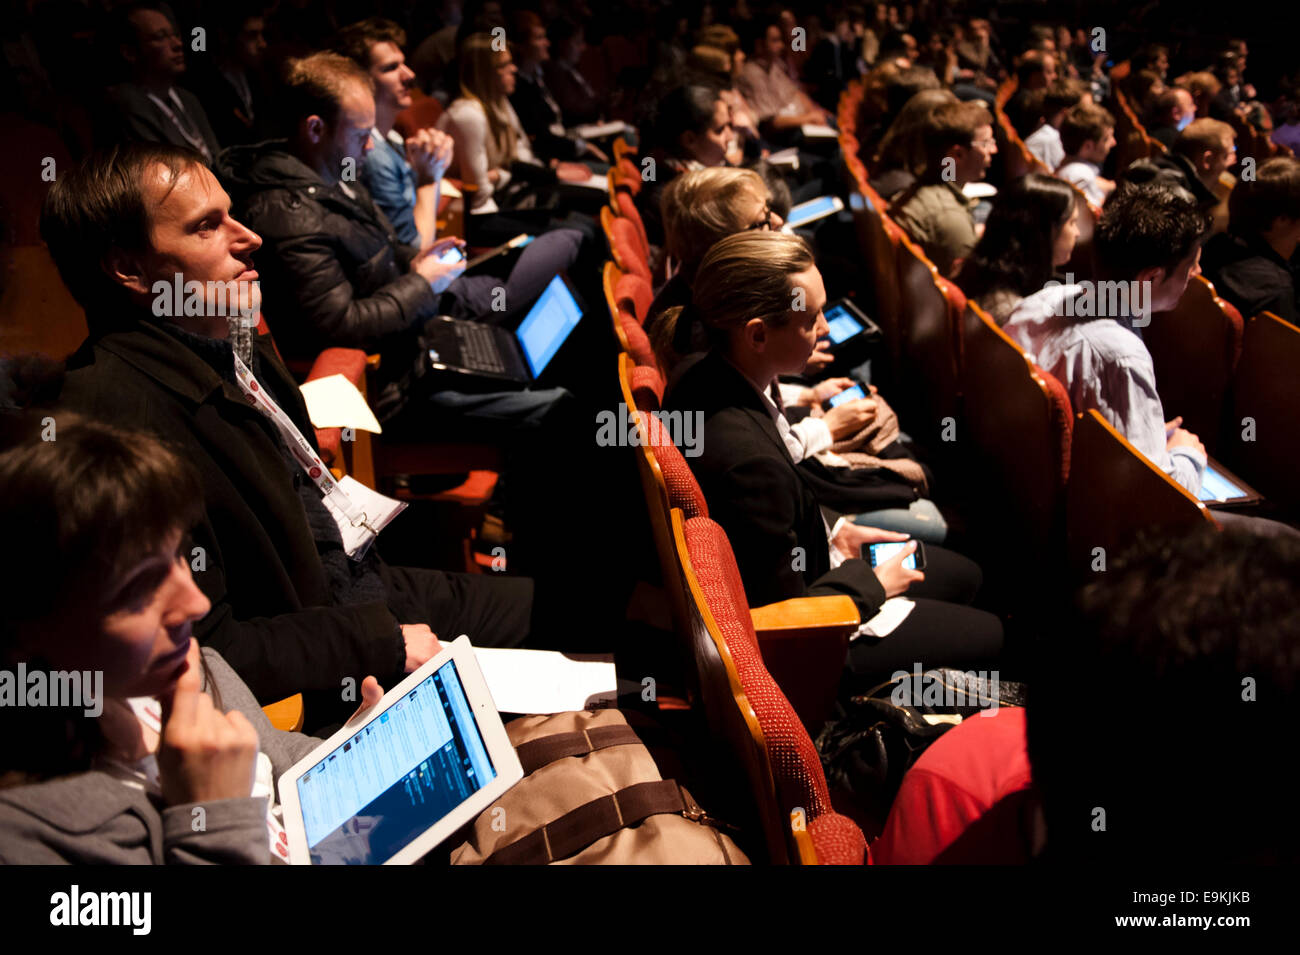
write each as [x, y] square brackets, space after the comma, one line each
[636, 292]
[683, 490]
[647, 388]
[638, 343]
[627, 210]
[626, 245]
[797, 783]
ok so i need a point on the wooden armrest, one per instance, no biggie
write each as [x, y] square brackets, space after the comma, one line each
[804, 613]
[804, 643]
[286, 714]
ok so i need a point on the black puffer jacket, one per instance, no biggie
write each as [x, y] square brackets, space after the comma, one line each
[333, 272]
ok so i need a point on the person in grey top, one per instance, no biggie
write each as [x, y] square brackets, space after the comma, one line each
[124, 744]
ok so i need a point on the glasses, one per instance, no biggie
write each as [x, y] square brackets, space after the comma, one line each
[765, 222]
[984, 144]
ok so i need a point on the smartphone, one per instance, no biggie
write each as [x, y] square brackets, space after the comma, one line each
[848, 394]
[877, 554]
[451, 256]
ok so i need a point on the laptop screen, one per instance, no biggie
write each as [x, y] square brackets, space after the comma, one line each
[547, 325]
[843, 325]
[365, 801]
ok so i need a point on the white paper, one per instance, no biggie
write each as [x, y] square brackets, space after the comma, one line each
[892, 612]
[600, 130]
[546, 681]
[597, 181]
[334, 402]
[979, 190]
[818, 131]
[785, 157]
[379, 511]
[448, 188]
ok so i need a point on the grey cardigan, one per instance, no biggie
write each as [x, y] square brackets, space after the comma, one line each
[95, 818]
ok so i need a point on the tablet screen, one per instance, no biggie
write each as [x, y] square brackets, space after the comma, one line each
[400, 774]
[1216, 487]
[848, 394]
[842, 324]
[812, 209]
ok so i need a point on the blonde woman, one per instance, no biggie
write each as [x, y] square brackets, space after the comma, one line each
[770, 507]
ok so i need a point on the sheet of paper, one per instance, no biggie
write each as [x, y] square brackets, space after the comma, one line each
[785, 157]
[448, 189]
[599, 130]
[379, 511]
[334, 402]
[546, 681]
[892, 612]
[597, 181]
[979, 190]
[818, 131]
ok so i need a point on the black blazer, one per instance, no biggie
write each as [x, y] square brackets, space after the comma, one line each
[536, 115]
[762, 499]
[129, 115]
[272, 617]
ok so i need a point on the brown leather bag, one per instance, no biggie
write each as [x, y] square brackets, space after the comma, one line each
[592, 795]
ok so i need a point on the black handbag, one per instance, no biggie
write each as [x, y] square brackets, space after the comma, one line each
[876, 736]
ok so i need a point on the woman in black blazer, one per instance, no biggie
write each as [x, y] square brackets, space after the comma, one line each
[760, 298]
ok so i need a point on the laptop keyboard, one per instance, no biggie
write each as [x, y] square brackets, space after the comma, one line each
[478, 347]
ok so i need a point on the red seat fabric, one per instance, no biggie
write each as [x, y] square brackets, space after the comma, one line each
[647, 388]
[634, 292]
[796, 767]
[683, 490]
[638, 343]
[627, 248]
[627, 210]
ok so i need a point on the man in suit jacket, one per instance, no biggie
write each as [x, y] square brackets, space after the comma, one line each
[150, 107]
[290, 610]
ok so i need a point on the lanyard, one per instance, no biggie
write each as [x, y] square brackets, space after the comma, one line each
[195, 138]
[303, 453]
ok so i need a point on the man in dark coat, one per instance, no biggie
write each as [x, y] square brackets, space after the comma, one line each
[290, 611]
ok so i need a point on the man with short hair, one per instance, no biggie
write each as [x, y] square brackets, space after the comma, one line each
[959, 147]
[1087, 137]
[778, 102]
[1251, 264]
[294, 608]
[1036, 70]
[337, 275]
[150, 107]
[1057, 99]
[1148, 245]
[401, 173]
[1211, 147]
[1174, 111]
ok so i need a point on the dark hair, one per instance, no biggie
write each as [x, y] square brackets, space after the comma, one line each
[126, 32]
[684, 109]
[1033, 63]
[315, 86]
[88, 501]
[99, 205]
[1273, 194]
[1147, 225]
[355, 40]
[1015, 251]
[1184, 660]
[893, 44]
[909, 82]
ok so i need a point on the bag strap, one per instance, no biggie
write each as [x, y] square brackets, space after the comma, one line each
[536, 753]
[595, 820]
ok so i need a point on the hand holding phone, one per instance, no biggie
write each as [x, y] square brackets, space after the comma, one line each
[876, 554]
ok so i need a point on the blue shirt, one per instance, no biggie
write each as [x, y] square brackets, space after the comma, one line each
[392, 182]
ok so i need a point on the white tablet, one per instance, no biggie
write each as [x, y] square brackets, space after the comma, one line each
[406, 774]
[812, 210]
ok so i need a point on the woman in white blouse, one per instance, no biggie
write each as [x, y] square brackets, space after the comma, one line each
[492, 149]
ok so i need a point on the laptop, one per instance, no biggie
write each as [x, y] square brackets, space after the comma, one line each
[405, 775]
[1220, 488]
[490, 355]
